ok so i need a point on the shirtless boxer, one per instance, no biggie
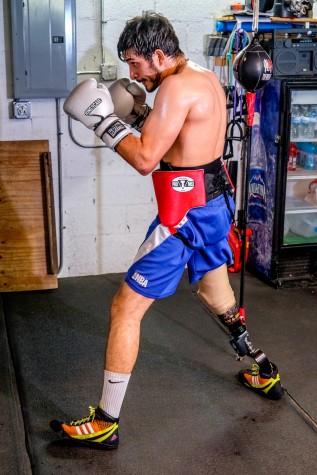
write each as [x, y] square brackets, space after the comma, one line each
[184, 136]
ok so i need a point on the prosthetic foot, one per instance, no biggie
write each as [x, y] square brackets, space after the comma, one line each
[267, 384]
[217, 296]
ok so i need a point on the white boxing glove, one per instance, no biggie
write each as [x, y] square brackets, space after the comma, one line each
[91, 104]
[129, 102]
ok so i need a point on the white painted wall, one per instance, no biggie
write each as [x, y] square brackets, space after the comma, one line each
[107, 206]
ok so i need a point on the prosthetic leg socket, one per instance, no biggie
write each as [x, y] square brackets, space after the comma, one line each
[215, 292]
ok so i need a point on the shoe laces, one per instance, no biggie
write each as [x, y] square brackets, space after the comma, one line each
[89, 418]
[255, 369]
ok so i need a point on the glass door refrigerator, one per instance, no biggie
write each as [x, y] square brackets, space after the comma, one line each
[282, 201]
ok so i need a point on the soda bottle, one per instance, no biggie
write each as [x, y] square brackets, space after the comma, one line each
[257, 175]
[301, 154]
[310, 159]
[292, 157]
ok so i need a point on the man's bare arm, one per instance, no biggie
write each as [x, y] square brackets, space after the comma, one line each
[160, 130]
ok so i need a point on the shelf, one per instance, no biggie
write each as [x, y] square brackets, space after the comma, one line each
[296, 206]
[294, 239]
[301, 174]
[302, 140]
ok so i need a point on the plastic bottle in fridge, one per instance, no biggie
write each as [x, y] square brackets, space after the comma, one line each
[304, 224]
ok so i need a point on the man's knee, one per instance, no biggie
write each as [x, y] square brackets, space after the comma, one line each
[128, 304]
[215, 291]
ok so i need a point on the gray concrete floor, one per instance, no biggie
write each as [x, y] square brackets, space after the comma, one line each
[184, 412]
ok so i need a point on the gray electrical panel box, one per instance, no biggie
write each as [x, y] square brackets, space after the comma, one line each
[44, 48]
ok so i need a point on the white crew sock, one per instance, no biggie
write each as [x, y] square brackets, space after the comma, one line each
[114, 389]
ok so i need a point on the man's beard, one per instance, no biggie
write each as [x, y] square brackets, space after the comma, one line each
[155, 78]
[158, 77]
[156, 81]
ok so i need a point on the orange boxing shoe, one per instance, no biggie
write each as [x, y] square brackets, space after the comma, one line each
[267, 384]
[98, 429]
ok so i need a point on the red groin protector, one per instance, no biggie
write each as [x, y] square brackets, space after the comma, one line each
[176, 193]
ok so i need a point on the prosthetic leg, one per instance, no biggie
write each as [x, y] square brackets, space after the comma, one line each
[240, 339]
[216, 294]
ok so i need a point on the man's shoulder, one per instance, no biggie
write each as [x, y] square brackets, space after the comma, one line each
[189, 75]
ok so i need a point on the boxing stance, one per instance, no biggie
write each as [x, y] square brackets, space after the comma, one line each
[180, 141]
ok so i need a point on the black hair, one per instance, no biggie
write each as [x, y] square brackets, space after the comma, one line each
[146, 33]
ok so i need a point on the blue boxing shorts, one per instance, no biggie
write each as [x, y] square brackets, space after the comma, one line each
[201, 243]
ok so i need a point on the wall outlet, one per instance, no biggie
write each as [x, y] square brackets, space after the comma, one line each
[108, 72]
[21, 109]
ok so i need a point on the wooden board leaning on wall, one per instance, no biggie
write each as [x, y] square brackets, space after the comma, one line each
[28, 250]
